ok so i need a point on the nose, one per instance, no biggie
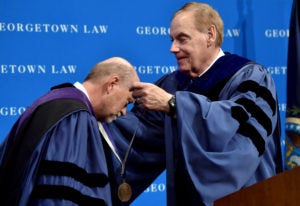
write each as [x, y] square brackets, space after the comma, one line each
[174, 47]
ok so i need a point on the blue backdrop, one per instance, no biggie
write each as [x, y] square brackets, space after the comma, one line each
[44, 43]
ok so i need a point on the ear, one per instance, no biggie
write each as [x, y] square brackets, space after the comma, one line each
[112, 83]
[211, 35]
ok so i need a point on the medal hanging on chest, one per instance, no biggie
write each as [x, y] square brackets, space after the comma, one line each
[124, 189]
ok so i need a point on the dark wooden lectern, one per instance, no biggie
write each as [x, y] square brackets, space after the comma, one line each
[280, 190]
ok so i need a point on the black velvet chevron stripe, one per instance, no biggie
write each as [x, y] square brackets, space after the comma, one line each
[65, 193]
[56, 168]
[248, 130]
[239, 114]
[259, 91]
[257, 113]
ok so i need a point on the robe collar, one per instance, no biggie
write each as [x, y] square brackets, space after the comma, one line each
[221, 70]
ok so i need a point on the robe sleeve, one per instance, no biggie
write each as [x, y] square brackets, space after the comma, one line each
[229, 144]
[69, 165]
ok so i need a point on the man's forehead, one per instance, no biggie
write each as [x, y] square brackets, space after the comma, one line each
[181, 20]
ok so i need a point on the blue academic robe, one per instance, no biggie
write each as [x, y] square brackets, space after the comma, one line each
[54, 154]
[225, 135]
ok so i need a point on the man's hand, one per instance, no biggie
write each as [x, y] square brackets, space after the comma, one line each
[151, 97]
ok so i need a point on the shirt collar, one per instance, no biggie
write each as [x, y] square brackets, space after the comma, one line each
[220, 54]
[79, 86]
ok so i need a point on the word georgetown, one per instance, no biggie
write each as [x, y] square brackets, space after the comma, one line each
[53, 28]
[37, 69]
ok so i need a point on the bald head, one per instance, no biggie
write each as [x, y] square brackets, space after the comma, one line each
[117, 60]
[108, 86]
[113, 66]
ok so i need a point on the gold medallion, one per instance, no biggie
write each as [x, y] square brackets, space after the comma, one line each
[124, 192]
